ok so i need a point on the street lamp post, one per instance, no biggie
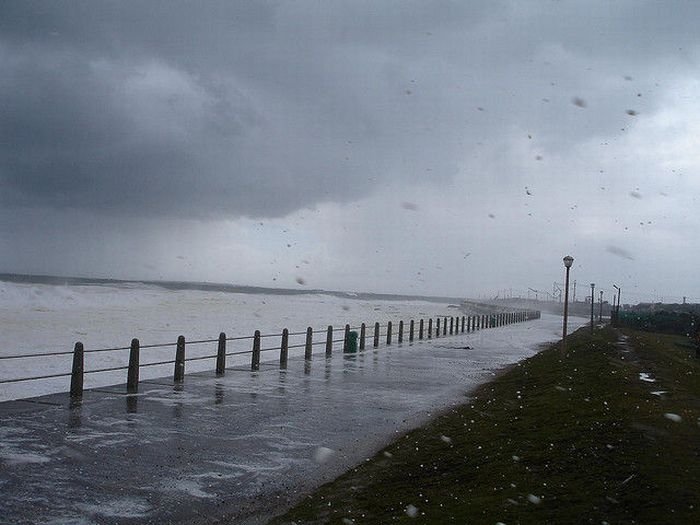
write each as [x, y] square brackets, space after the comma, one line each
[617, 308]
[592, 303]
[600, 309]
[568, 261]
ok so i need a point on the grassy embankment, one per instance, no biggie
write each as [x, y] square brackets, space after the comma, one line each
[580, 439]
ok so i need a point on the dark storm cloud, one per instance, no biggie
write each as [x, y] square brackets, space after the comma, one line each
[256, 108]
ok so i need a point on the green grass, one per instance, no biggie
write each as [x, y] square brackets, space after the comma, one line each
[574, 439]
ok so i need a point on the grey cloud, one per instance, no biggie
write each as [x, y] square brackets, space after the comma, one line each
[256, 108]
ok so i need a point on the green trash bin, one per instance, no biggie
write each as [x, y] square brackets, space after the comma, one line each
[352, 342]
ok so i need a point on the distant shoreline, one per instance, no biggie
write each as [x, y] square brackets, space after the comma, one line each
[214, 287]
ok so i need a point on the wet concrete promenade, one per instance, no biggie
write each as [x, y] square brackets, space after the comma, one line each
[242, 446]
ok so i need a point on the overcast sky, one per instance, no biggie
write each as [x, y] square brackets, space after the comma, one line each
[429, 147]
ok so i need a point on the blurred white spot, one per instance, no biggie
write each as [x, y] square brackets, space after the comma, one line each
[411, 511]
[645, 376]
[446, 439]
[323, 454]
[534, 499]
[347, 521]
[388, 454]
[673, 417]
[516, 458]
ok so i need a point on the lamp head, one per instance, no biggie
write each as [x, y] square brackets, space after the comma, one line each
[568, 261]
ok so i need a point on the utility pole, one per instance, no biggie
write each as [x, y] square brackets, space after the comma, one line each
[600, 310]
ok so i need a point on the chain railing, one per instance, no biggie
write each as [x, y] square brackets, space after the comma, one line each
[376, 335]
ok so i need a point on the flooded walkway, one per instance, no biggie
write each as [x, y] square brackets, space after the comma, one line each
[242, 446]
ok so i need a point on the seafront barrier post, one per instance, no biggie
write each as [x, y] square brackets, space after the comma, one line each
[308, 344]
[132, 378]
[179, 374]
[76, 379]
[255, 357]
[221, 355]
[329, 341]
[284, 349]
